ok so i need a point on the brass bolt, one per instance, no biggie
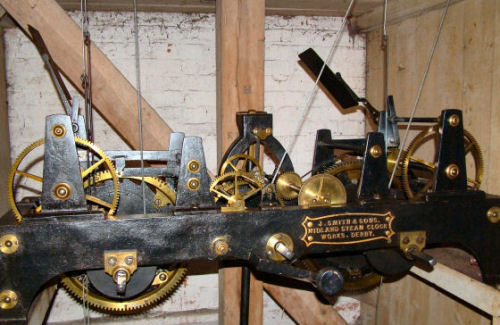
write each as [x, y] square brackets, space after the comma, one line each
[112, 260]
[62, 191]
[376, 151]
[310, 238]
[193, 166]
[129, 260]
[193, 184]
[454, 120]
[493, 214]
[220, 246]
[310, 224]
[58, 131]
[452, 171]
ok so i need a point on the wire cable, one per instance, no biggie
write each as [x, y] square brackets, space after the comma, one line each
[139, 102]
[419, 93]
[313, 92]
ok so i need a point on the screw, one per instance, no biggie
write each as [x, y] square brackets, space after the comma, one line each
[310, 224]
[376, 151]
[8, 243]
[163, 276]
[129, 260]
[112, 261]
[6, 299]
[420, 240]
[310, 238]
[157, 202]
[406, 240]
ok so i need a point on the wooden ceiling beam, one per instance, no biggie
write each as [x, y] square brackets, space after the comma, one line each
[113, 96]
[272, 7]
[397, 11]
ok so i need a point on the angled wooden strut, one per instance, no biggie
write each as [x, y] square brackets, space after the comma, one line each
[113, 96]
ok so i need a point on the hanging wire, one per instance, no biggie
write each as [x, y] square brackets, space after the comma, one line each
[419, 93]
[85, 300]
[313, 92]
[139, 103]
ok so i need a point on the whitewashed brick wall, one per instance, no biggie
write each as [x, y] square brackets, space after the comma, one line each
[178, 80]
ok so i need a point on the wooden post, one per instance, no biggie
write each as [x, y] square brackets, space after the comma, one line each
[113, 96]
[240, 87]
[4, 127]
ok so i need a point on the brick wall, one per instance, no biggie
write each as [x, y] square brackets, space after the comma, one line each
[178, 80]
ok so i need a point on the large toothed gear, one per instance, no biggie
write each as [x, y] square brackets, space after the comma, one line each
[164, 284]
[164, 281]
[471, 146]
[103, 163]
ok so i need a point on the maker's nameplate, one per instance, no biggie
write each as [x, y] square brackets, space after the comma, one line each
[347, 228]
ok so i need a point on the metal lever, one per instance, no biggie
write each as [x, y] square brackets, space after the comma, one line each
[421, 257]
[281, 248]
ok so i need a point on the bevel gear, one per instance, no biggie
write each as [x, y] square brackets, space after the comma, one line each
[81, 143]
[164, 283]
[288, 185]
[471, 146]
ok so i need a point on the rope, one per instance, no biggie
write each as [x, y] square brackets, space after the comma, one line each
[419, 93]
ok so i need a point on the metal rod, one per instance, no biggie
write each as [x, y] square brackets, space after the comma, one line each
[245, 295]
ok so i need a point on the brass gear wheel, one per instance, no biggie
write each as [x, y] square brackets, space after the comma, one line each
[103, 160]
[288, 185]
[236, 187]
[164, 195]
[471, 146]
[164, 283]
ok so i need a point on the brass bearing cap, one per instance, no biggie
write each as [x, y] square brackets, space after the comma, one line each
[193, 184]
[452, 171]
[62, 191]
[493, 214]
[8, 299]
[454, 120]
[58, 131]
[376, 151]
[9, 244]
[220, 246]
[193, 166]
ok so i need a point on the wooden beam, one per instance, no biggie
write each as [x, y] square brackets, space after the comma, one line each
[113, 96]
[303, 306]
[4, 127]
[240, 87]
[476, 293]
[397, 11]
[273, 7]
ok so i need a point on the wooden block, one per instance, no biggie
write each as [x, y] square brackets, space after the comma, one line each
[303, 306]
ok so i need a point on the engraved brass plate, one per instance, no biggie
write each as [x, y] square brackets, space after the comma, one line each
[347, 228]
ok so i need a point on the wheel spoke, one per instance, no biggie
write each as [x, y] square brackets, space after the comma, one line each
[98, 201]
[92, 168]
[35, 177]
[232, 165]
[423, 162]
[468, 147]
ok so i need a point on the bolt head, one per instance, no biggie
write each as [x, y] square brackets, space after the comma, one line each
[112, 261]
[406, 240]
[163, 276]
[420, 240]
[129, 260]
